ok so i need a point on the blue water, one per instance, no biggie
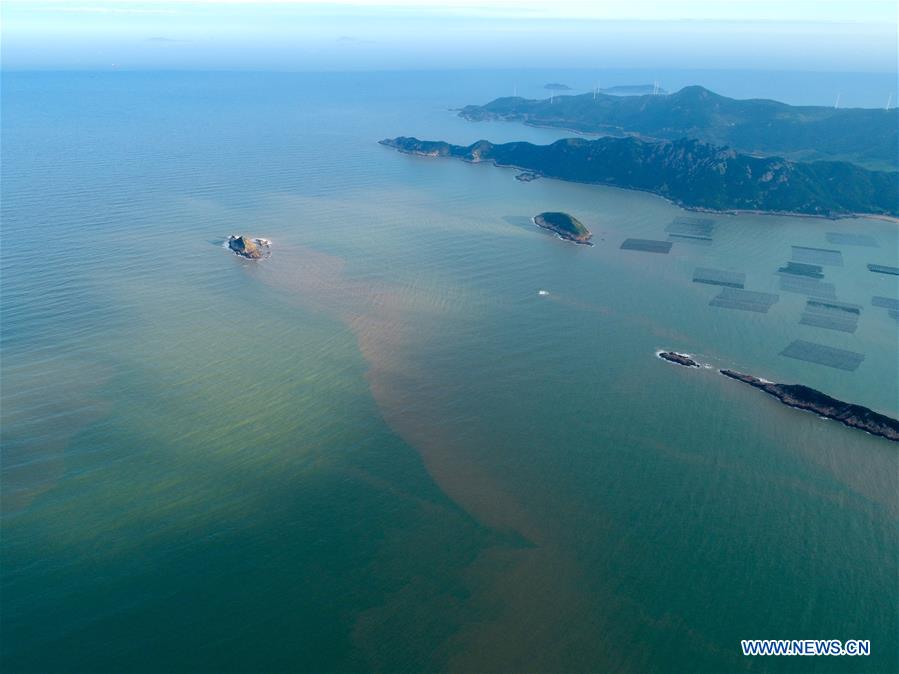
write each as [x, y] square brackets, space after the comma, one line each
[382, 449]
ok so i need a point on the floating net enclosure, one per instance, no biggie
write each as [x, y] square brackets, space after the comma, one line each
[883, 269]
[807, 286]
[829, 322]
[845, 238]
[834, 307]
[684, 227]
[647, 245]
[832, 315]
[823, 256]
[820, 354]
[802, 269]
[719, 277]
[744, 300]
[885, 302]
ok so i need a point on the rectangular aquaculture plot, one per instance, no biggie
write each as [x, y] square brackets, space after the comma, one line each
[817, 256]
[802, 269]
[833, 307]
[691, 228]
[883, 269]
[844, 238]
[647, 245]
[885, 302]
[832, 315]
[719, 277]
[829, 322]
[807, 286]
[744, 300]
[820, 354]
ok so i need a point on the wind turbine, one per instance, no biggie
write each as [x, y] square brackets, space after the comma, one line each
[837, 103]
[889, 100]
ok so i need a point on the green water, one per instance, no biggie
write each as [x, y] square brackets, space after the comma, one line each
[381, 449]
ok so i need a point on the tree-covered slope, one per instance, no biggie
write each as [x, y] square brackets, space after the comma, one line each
[690, 172]
[867, 137]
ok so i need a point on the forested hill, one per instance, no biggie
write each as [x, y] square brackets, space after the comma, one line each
[864, 136]
[690, 172]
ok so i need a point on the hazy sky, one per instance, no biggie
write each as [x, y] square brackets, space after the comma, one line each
[404, 34]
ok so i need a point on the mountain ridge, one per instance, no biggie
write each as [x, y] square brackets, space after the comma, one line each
[692, 173]
[865, 136]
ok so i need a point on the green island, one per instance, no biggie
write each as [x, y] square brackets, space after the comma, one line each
[867, 137]
[691, 173]
[566, 226]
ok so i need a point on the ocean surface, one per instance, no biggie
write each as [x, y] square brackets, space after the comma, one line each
[382, 449]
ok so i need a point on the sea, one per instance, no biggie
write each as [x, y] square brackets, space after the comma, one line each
[423, 435]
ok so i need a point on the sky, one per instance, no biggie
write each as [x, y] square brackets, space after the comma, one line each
[301, 35]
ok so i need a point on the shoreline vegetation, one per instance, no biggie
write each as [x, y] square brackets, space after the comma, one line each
[692, 174]
[565, 226]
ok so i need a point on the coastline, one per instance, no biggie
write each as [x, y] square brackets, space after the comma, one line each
[670, 200]
[807, 399]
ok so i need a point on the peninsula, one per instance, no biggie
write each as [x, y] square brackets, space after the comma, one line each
[867, 137]
[691, 173]
[805, 398]
[566, 226]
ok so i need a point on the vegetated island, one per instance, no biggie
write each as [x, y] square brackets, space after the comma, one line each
[252, 249]
[691, 173]
[633, 90]
[805, 398]
[566, 226]
[867, 137]
[678, 358]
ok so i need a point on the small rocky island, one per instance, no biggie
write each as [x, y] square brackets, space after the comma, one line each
[805, 398]
[252, 249]
[679, 358]
[527, 176]
[566, 226]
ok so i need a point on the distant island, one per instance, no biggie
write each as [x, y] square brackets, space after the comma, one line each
[556, 86]
[691, 173]
[633, 90]
[566, 226]
[805, 398]
[867, 137]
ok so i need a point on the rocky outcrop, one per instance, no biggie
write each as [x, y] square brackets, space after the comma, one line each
[253, 249]
[805, 398]
[679, 358]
